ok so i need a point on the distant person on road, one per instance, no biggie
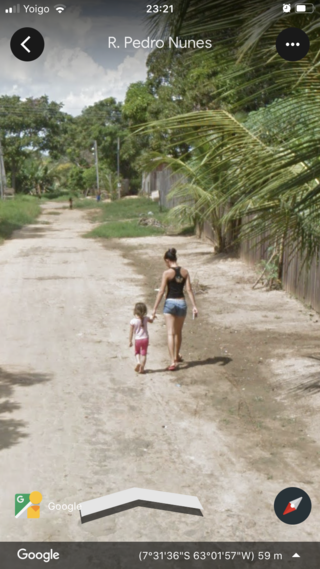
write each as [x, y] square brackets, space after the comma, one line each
[98, 195]
[70, 203]
[139, 328]
[174, 279]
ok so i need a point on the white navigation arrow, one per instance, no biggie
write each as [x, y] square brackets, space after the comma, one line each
[296, 555]
[127, 499]
[24, 42]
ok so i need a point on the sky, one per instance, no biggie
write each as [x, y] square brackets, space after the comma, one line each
[77, 68]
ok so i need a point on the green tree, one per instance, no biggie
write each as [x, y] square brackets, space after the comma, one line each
[31, 125]
[76, 180]
[137, 102]
[104, 122]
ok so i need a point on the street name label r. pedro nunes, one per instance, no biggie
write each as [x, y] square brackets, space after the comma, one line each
[150, 43]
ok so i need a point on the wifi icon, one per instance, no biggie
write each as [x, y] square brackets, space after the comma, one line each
[60, 8]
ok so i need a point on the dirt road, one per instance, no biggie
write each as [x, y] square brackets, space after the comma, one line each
[234, 426]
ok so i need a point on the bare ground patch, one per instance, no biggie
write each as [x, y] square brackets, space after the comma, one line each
[252, 364]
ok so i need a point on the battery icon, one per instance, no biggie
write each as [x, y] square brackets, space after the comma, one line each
[304, 8]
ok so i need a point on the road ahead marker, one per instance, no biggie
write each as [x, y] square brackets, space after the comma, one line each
[134, 497]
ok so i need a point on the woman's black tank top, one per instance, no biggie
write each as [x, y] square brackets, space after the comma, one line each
[176, 285]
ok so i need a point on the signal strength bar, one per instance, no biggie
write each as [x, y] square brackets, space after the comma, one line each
[13, 10]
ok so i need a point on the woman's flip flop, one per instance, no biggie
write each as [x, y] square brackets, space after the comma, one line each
[137, 368]
[173, 367]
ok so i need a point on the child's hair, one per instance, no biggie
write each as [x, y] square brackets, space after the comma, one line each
[171, 255]
[140, 310]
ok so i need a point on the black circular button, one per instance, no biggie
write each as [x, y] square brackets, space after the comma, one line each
[27, 44]
[292, 506]
[292, 44]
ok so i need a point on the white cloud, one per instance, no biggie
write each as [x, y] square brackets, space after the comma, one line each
[80, 82]
[76, 68]
[72, 77]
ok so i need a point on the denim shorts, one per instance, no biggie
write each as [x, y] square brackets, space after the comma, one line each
[175, 306]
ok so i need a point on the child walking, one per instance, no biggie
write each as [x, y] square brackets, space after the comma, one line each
[139, 327]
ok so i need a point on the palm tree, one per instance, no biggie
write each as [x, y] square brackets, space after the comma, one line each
[39, 174]
[269, 179]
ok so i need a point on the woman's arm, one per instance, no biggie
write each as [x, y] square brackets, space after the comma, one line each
[191, 295]
[130, 335]
[160, 293]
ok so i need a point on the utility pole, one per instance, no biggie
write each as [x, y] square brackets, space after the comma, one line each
[3, 182]
[118, 168]
[97, 163]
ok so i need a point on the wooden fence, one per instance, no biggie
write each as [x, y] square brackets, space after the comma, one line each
[162, 180]
[298, 278]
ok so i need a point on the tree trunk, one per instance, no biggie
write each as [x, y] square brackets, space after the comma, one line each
[220, 239]
[235, 231]
[281, 256]
[13, 176]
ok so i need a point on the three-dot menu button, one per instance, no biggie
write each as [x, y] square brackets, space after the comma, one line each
[292, 44]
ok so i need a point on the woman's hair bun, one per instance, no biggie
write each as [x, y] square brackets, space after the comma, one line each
[171, 254]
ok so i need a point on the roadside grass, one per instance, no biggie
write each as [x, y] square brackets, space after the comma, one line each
[120, 229]
[86, 203]
[119, 219]
[126, 208]
[17, 212]
[130, 209]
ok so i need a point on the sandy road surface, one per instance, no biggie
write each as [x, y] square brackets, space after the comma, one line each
[77, 423]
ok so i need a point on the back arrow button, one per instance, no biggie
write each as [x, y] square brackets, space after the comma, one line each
[24, 46]
[27, 44]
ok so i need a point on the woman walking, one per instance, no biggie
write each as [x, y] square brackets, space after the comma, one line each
[174, 279]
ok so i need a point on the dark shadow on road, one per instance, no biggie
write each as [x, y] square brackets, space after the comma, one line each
[11, 430]
[198, 253]
[222, 361]
[211, 257]
[7, 229]
[30, 232]
[312, 385]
